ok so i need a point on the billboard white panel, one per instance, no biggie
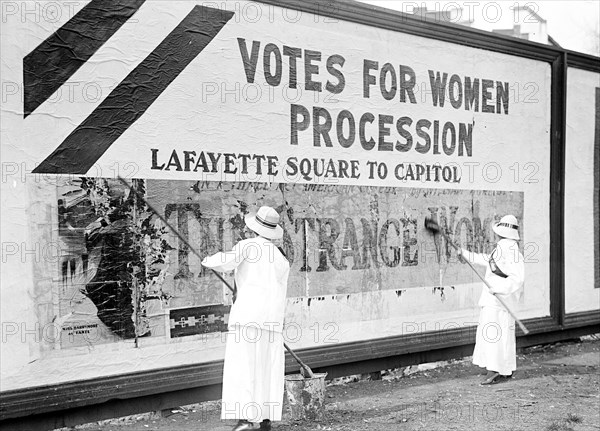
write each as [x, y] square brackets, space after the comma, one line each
[354, 133]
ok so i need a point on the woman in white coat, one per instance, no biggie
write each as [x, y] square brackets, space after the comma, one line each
[253, 375]
[495, 343]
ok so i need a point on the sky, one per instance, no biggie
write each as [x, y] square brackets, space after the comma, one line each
[575, 25]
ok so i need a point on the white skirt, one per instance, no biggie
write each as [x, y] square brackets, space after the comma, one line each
[253, 376]
[495, 343]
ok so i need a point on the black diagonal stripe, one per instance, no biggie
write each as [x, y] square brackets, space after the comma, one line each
[134, 95]
[57, 58]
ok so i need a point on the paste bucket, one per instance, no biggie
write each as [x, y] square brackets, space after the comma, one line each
[304, 397]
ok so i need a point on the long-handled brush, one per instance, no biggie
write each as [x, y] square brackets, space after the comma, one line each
[432, 226]
[304, 369]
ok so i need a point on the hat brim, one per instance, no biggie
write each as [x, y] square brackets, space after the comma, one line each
[269, 233]
[506, 232]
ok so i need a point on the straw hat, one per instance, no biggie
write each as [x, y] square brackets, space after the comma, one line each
[265, 223]
[507, 227]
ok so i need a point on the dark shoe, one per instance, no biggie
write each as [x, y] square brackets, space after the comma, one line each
[244, 425]
[265, 425]
[490, 378]
[502, 378]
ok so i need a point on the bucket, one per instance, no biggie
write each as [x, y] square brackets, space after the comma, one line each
[304, 397]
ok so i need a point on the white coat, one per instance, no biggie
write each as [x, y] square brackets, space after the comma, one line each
[509, 259]
[495, 343]
[261, 275]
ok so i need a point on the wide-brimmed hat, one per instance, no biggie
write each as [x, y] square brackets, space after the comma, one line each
[507, 227]
[265, 223]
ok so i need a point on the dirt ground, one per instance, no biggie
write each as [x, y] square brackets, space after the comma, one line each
[556, 388]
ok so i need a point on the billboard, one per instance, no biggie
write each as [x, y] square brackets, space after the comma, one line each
[353, 133]
[582, 167]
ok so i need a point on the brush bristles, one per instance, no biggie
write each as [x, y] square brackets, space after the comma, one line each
[431, 225]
